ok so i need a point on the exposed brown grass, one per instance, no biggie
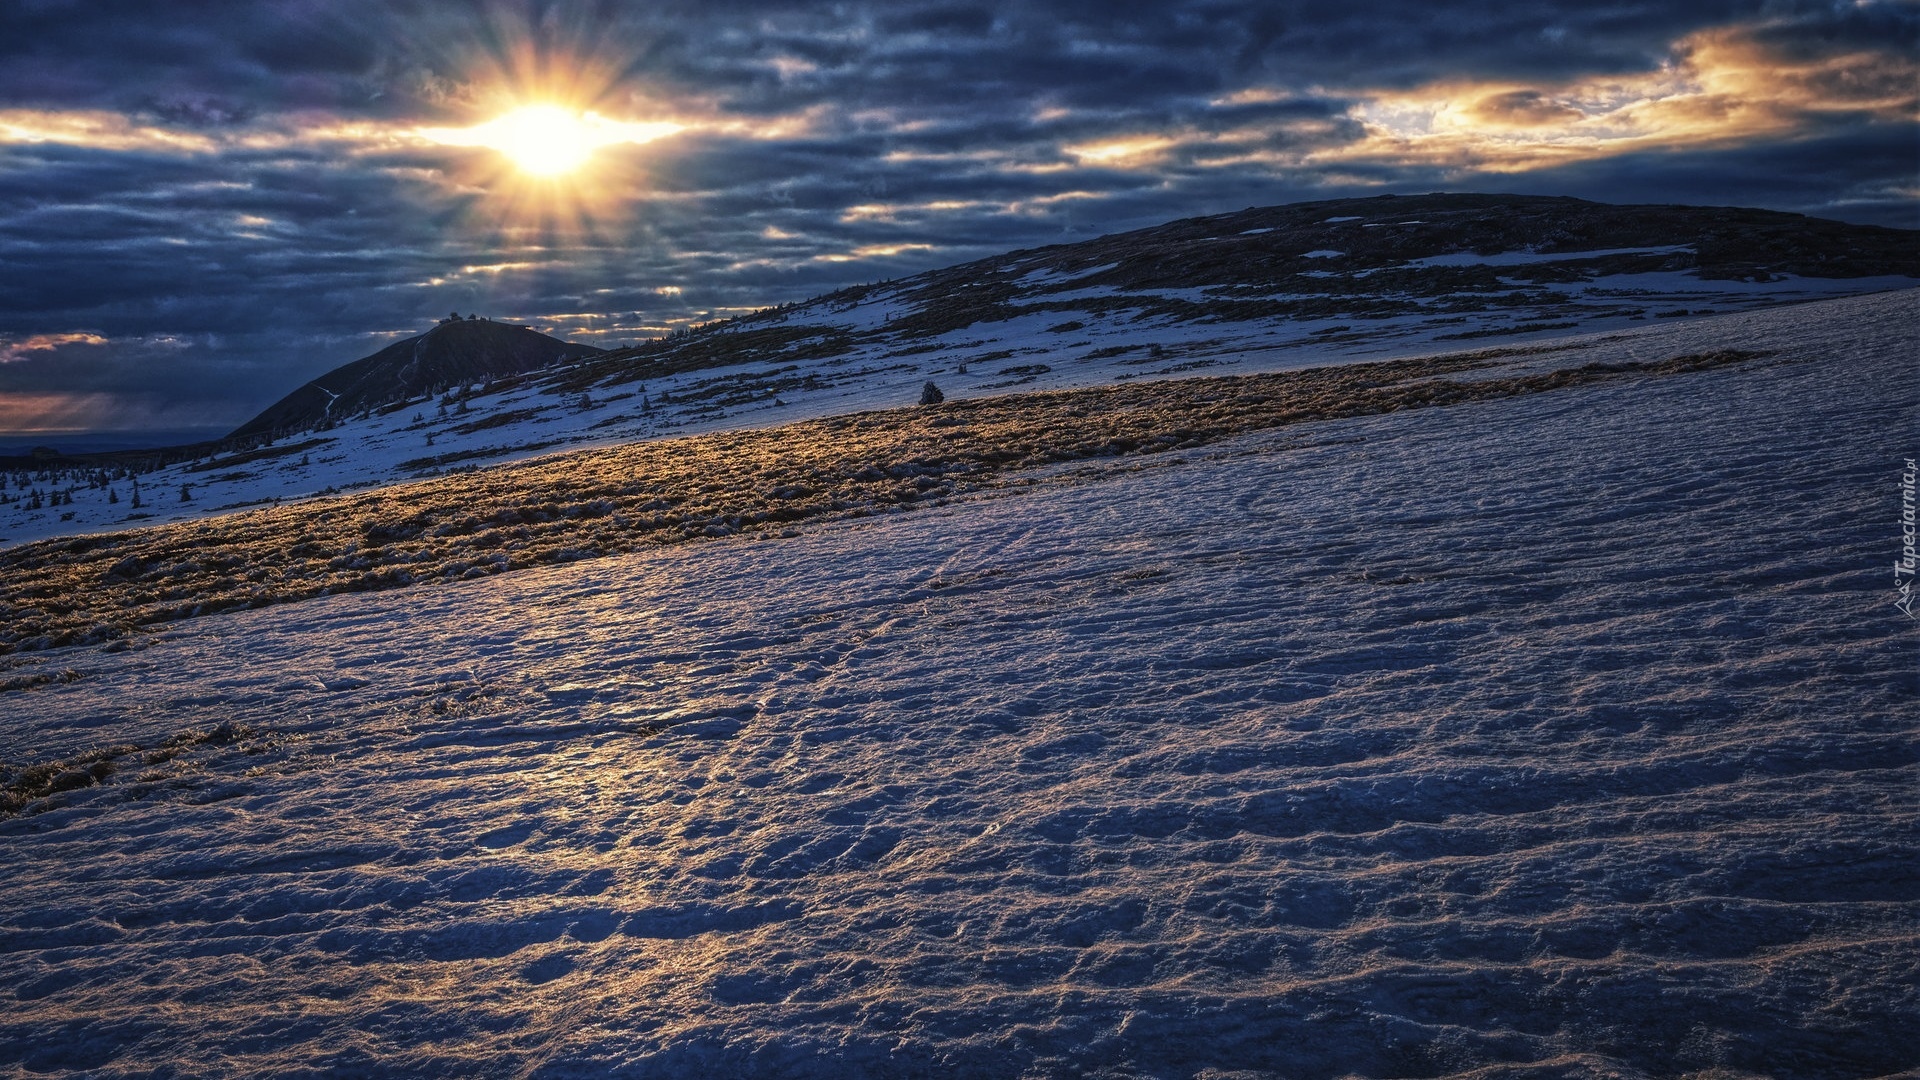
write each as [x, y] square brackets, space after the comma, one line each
[98, 588]
[22, 784]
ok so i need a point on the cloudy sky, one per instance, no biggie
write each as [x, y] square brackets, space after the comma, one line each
[203, 205]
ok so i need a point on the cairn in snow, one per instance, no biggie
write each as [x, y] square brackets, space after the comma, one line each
[931, 395]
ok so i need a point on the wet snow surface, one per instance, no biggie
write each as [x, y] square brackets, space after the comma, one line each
[1567, 735]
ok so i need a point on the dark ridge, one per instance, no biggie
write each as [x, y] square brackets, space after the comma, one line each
[147, 459]
[1250, 255]
[454, 353]
[1730, 243]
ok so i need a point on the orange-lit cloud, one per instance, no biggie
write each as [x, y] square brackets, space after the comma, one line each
[896, 211]
[909, 213]
[1137, 151]
[96, 129]
[42, 413]
[1723, 87]
[26, 347]
[52, 413]
[99, 129]
[873, 251]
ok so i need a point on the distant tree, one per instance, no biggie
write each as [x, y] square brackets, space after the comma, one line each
[113, 496]
[186, 493]
[931, 395]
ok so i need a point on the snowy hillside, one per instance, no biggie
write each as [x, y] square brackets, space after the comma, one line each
[1273, 289]
[1569, 733]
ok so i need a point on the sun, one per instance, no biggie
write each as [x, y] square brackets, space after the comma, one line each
[543, 140]
[542, 136]
[548, 140]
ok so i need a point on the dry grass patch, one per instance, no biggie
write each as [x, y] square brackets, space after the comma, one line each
[25, 786]
[98, 588]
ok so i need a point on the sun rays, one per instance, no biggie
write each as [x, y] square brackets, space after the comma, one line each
[540, 132]
[549, 140]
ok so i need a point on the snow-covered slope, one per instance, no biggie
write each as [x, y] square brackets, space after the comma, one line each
[1317, 284]
[1564, 735]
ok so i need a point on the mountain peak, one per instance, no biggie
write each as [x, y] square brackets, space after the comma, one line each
[455, 352]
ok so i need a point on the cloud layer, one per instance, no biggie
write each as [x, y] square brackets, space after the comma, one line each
[199, 211]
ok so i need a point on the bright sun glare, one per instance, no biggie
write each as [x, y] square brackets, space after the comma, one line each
[550, 140]
[544, 140]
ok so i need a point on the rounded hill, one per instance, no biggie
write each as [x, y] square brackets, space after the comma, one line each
[456, 352]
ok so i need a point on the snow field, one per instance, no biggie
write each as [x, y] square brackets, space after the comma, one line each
[1564, 735]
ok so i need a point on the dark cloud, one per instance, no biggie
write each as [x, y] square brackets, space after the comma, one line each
[231, 219]
[1853, 176]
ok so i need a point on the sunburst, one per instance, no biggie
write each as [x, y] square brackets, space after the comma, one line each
[550, 140]
[545, 131]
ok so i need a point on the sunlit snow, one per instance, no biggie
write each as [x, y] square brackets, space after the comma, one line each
[1566, 735]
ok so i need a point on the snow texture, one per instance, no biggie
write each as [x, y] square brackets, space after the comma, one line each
[1570, 735]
